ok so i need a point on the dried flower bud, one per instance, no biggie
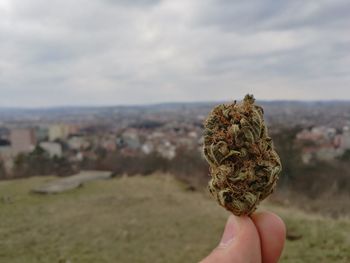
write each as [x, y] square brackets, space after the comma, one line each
[243, 163]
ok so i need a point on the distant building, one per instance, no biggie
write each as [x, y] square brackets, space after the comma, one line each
[147, 148]
[4, 143]
[345, 138]
[109, 144]
[322, 143]
[6, 154]
[79, 156]
[58, 132]
[5, 148]
[53, 148]
[61, 131]
[42, 134]
[130, 139]
[193, 135]
[186, 142]
[167, 150]
[156, 135]
[22, 140]
[77, 143]
[328, 153]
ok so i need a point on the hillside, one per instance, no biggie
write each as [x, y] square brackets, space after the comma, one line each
[140, 219]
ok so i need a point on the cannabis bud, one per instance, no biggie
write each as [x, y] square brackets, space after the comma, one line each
[244, 166]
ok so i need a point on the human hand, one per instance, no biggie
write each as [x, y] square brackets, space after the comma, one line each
[256, 239]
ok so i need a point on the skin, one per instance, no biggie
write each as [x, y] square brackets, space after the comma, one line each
[255, 239]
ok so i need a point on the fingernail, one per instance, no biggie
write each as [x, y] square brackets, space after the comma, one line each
[230, 232]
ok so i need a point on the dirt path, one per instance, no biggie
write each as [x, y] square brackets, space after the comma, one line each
[72, 182]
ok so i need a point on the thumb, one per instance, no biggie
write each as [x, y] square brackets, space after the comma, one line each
[240, 243]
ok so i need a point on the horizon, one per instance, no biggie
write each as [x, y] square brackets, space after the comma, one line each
[169, 103]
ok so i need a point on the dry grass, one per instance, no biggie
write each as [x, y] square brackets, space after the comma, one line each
[139, 219]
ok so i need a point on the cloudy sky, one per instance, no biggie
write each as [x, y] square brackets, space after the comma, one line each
[109, 52]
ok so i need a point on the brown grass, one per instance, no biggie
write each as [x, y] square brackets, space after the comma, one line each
[140, 219]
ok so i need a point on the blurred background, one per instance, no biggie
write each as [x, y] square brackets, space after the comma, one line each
[102, 106]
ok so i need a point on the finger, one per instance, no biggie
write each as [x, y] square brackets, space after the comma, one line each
[272, 233]
[240, 243]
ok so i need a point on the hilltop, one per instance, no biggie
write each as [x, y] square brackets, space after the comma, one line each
[152, 218]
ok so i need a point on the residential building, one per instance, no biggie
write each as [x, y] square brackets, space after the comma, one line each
[53, 148]
[61, 131]
[22, 140]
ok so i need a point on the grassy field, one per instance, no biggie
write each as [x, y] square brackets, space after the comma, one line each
[140, 219]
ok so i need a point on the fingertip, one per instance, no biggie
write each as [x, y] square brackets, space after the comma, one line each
[239, 243]
[272, 231]
[269, 219]
[231, 230]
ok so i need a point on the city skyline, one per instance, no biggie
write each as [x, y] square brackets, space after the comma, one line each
[146, 52]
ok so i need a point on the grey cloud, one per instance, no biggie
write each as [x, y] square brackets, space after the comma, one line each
[238, 15]
[141, 3]
[245, 16]
[318, 29]
[299, 63]
[125, 52]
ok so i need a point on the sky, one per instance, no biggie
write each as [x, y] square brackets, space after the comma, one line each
[105, 52]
